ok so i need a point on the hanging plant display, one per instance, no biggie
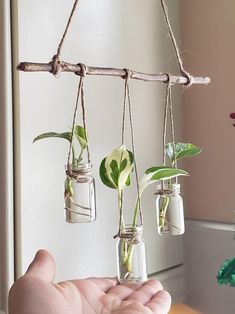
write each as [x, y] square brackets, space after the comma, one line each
[115, 173]
[79, 189]
[169, 202]
[116, 169]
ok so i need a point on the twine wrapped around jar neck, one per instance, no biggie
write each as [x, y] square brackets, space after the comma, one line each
[79, 170]
[132, 234]
[174, 189]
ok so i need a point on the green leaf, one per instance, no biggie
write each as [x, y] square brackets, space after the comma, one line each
[81, 136]
[131, 157]
[154, 174]
[182, 150]
[115, 172]
[168, 173]
[65, 135]
[128, 181]
[117, 167]
[104, 177]
[123, 165]
[154, 169]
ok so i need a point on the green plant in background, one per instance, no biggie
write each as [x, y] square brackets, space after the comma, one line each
[115, 173]
[226, 274]
[79, 139]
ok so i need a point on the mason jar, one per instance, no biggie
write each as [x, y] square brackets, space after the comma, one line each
[170, 210]
[131, 260]
[79, 198]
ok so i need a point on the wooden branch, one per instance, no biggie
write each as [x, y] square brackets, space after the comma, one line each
[68, 67]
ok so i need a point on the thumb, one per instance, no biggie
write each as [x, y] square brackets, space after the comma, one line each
[43, 266]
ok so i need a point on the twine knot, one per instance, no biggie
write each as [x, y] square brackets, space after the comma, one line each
[189, 78]
[83, 70]
[56, 66]
[171, 80]
[128, 74]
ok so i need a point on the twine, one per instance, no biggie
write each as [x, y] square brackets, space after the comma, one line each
[172, 124]
[83, 74]
[165, 123]
[133, 235]
[169, 106]
[56, 66]
[175, 45]
[127, 98]
[80, 91]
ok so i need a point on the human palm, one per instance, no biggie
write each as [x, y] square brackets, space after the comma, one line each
[34, 293]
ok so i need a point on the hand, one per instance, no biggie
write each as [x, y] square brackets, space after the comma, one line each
[34, 293]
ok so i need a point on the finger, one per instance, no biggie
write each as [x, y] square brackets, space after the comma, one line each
[160, 303]
[146, 292]
[42, 266]
[123, 291]
[103, 284]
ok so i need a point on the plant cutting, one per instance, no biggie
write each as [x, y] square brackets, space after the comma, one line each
[169, 203]
[115, 173]
[79, 188]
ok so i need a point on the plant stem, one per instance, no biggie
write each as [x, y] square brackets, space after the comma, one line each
[120, 205]
[162, 213]
[137, 205]
[124, 248]
[128, 259]
[80, 156]
[73, 156]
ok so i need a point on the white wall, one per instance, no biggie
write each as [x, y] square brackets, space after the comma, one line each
[116, 34]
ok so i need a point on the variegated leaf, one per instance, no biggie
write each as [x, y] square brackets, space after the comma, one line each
[181, 150]
[158, 174]
[116, 168]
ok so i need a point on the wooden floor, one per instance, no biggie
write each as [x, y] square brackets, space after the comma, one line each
[182, 309]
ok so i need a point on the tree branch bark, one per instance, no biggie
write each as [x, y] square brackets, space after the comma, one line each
[90, 70]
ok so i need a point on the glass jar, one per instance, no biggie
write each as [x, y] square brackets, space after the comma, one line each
[79, 198]
[170, 210]
[131, 260]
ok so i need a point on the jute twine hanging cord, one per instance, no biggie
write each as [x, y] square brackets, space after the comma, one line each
[190, 78]
[127, 99]
[80, 92]
[169, 107]
[55, 63]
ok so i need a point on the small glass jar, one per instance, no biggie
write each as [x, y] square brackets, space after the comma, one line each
[79, 198]
[170, 210]
[131, 260]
